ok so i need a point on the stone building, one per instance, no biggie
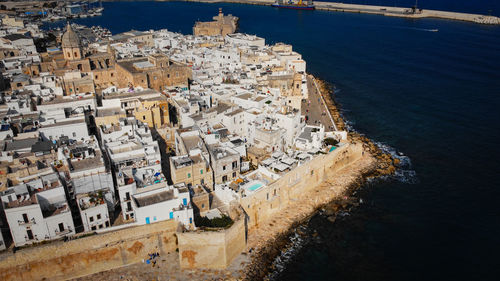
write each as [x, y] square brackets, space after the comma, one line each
[221, 25]
[191, 170]
[148, 106]
[156, 72]
[97, 69]
[225, 163]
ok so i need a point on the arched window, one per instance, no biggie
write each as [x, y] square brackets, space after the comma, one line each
[76, 55]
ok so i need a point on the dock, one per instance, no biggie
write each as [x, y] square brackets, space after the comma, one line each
[378, 10]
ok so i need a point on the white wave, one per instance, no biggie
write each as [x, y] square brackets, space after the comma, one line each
[297, 242]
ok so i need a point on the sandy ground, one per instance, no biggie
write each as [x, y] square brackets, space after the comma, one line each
[167, 268]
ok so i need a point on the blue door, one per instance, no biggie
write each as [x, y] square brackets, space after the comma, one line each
[171, 215]
[147, 220]
[184, 201]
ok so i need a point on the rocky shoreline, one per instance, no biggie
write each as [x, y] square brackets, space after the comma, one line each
[264, 256]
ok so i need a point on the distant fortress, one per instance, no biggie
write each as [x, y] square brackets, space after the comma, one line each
[221, 25]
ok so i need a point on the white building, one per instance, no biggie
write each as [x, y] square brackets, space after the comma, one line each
[164, 204]
[37, 211]
[311, 138]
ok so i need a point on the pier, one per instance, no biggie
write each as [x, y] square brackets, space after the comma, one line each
[378, 10]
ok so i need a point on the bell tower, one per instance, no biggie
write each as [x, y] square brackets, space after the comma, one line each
[71, 44]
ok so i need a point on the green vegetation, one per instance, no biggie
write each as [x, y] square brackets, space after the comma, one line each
[224, 221]
[331, 141]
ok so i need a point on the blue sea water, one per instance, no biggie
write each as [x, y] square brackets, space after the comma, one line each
[435, 96]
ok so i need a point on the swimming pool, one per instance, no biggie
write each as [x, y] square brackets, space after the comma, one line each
[255, 186]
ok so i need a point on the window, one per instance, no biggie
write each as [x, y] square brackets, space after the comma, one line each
[201, 172]
[98, 216]
[91, 219]
[112, 74]
[97, 77]
[101, 226]
[30, 234]
[93, 227]
[202, 206]
[143, 117]
[74, 134]
[129, 206]
[235, 164]
[224, 167]
[190, 220]
[234, 174]
[61, 227]
[107, 224]
[25, 218]
[168, 75]
[224, 178]
[189, 175]
[202, 181]
[76, 55]
[127, 196]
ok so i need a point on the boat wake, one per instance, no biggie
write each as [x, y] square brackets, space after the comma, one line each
[417, 29]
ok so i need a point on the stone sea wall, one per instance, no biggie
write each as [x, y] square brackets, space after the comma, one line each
[270, 200]
[65, 260]
[212, 249]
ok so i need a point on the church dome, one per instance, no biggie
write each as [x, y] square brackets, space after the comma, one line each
[70, 39]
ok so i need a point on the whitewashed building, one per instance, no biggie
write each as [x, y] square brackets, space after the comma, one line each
[37, 211]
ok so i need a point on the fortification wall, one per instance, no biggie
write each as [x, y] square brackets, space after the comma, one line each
[267, 201]
[212, 249]
[88, 255]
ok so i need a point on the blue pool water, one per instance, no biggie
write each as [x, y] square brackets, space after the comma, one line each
[255, 186]
[435, 96]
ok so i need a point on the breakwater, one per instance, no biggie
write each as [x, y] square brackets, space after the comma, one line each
[377, 10]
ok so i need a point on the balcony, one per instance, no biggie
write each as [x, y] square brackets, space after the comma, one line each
[28, 223]
[63, 232]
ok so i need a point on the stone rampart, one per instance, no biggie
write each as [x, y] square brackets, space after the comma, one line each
[65, 260]
[269, 200]
[212, 249]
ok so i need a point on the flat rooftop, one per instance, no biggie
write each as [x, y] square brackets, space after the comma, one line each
[154, 198]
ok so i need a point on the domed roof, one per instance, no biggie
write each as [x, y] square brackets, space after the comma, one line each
[70, 39]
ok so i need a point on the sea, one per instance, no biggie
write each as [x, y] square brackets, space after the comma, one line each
[432, 97]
